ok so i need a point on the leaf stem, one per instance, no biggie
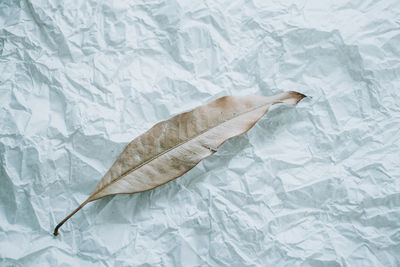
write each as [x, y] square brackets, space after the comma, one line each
[69, 216]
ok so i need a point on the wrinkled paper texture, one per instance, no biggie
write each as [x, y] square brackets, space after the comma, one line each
[316, 185]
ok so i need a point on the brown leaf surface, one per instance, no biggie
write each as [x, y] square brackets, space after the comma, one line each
[173, 147]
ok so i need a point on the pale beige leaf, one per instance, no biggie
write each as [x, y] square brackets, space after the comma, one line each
[172, 147]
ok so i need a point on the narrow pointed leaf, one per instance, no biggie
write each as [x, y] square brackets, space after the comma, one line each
[172, 147]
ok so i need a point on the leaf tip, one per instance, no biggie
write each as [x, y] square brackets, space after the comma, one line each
[297, 95]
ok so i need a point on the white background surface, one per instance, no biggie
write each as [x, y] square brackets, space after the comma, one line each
[315, 185]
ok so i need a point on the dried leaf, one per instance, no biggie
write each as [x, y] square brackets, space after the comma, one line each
[172, 147]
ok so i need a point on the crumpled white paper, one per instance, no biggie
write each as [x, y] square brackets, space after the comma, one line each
[314, 185]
